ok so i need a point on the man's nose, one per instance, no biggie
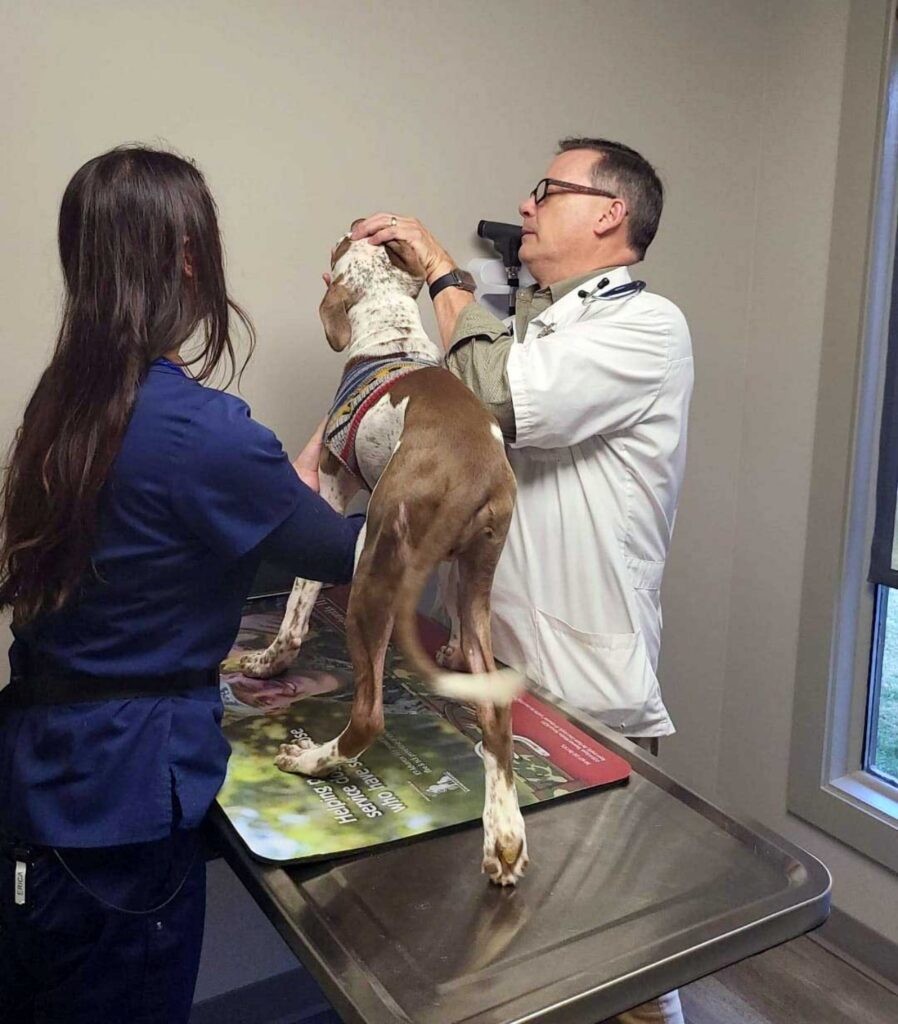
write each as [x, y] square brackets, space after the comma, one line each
[527, 207]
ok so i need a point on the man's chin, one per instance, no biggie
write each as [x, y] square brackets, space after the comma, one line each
[529, 250]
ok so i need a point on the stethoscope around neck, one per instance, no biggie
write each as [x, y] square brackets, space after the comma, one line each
[620, 291]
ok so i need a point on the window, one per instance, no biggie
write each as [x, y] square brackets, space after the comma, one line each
[881, 750]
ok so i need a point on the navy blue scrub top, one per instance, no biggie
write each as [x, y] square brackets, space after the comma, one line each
[195, 489]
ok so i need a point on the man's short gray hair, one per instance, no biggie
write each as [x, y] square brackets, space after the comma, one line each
[628, 174]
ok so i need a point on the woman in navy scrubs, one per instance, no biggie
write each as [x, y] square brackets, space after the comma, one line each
[137, 505]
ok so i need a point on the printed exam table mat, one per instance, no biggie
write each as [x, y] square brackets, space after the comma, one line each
[424, 774]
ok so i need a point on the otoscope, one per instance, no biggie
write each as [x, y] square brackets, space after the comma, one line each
[507, 240]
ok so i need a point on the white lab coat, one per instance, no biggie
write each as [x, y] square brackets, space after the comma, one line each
[600, 406]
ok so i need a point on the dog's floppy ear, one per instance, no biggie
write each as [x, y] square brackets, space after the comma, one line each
[403, 256]
[334, 313]
[341, 248]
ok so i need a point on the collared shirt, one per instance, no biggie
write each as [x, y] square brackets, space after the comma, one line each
[196, 489]
[481, 343]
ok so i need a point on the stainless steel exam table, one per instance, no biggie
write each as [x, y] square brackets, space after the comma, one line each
[632, 891]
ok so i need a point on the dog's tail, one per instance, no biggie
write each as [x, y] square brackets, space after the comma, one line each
[498, 687]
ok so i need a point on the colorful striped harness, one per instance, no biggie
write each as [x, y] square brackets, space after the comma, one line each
[362, 384]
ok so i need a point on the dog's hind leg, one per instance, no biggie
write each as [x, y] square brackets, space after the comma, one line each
[369, 622]
[337, 488]
[504, 838]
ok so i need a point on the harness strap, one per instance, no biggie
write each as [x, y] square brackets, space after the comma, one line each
[362, 385]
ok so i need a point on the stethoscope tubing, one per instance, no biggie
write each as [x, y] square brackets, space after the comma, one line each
[621, 291]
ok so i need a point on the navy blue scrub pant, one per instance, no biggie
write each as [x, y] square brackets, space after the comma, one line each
[68, 957]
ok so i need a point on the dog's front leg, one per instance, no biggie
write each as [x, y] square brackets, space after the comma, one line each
[279, 654]
[337, 488]
[450, 655]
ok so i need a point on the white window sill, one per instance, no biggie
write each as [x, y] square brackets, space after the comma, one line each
[868, 793]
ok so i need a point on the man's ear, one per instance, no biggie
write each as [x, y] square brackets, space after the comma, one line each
[404, 257]
[334, 313]
[612, 218]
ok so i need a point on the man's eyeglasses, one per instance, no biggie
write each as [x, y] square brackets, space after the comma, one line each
[542, 192]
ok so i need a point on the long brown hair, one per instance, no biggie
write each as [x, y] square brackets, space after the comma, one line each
[142, 261]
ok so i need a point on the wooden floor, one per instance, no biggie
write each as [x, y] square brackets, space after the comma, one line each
[797, 983]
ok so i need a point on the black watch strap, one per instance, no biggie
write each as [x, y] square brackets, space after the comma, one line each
[454, 279]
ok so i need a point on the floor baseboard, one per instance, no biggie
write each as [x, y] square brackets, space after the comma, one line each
[864, 949]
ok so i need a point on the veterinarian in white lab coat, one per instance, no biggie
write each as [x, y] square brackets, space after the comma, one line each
[591, 387]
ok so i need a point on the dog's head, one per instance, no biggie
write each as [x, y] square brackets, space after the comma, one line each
[360, 270]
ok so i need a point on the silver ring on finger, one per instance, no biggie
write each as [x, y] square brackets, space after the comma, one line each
[393, 222]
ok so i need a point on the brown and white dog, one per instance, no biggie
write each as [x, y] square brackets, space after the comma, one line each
[441, 490]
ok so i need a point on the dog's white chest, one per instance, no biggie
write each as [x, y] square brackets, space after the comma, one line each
[378, 436]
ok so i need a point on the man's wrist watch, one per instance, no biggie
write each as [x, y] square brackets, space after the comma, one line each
[454, 279]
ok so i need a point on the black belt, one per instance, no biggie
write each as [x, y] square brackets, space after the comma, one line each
[44, 684]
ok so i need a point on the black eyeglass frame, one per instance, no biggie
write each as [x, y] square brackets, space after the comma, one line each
[566, 186]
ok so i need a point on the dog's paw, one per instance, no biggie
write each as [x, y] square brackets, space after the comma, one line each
[267, 663]
[505, 855]
[451, 656]
[308, 758]
[505, 849]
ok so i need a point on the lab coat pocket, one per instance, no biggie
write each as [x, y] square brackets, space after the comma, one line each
[607, 674]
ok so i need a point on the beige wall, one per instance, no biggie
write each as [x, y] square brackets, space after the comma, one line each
[304, 115]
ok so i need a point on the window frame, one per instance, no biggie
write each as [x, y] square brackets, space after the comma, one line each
[827, 787]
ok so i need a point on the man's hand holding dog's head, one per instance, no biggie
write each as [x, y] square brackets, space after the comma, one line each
[385, 227]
